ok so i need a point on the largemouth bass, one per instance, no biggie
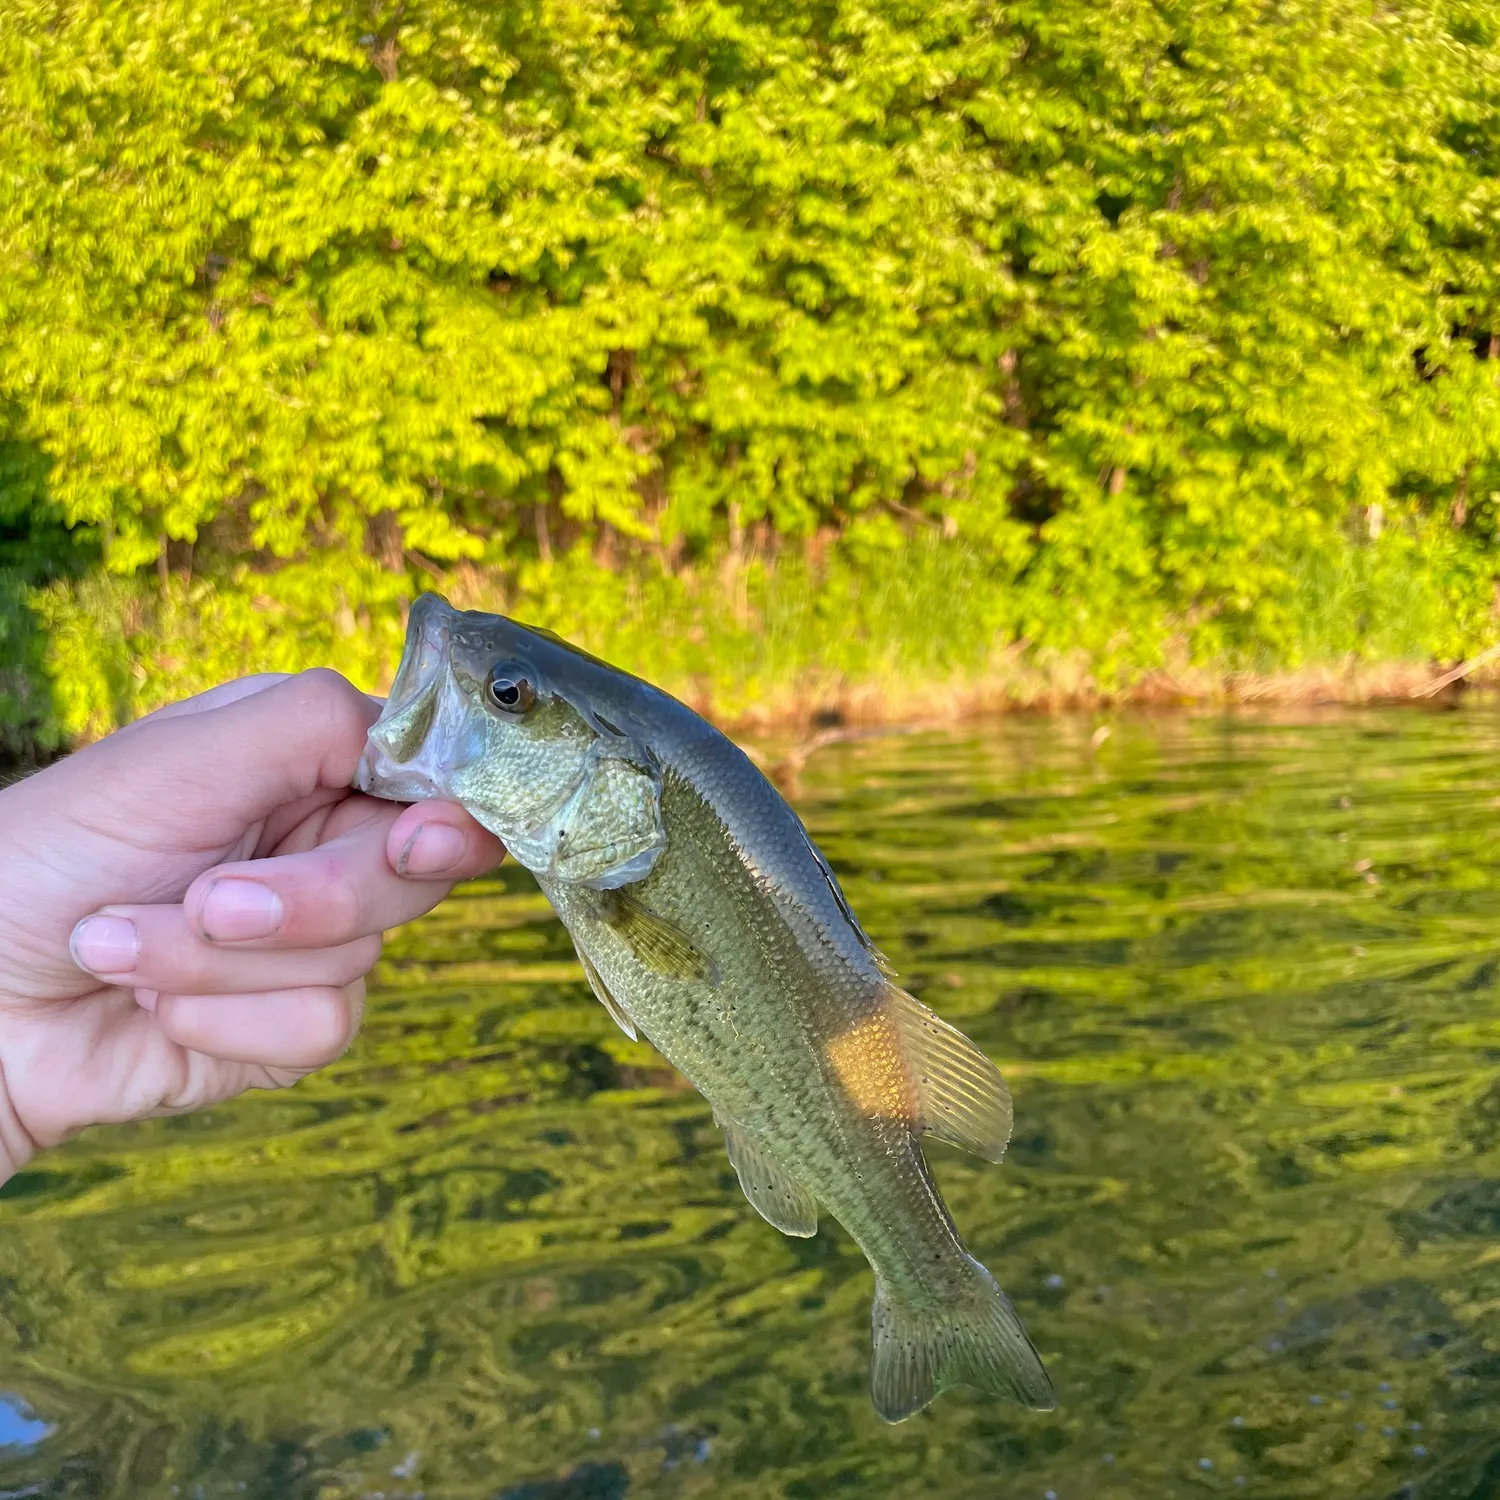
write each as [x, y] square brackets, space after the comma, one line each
[707, 921]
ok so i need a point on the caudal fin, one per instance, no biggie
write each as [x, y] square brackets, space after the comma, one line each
[975, 1339]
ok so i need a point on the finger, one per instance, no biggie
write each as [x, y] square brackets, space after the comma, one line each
[224, 693]
[291, 814]
[318, 819]
[343, 890]
[156, 947]
[215, 697]
[299, 1029]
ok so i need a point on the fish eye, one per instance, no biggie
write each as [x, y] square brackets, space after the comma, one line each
[509, 689]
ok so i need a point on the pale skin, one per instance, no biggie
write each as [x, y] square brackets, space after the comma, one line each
[189, 908]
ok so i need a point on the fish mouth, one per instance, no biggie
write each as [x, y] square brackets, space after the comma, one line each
[427, 731]
[377, 776]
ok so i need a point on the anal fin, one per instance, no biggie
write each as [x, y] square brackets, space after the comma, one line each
[618, 1013]
[962, 1099]
[774, 1193]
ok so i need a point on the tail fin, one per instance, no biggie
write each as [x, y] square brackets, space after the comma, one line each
[976, 1339]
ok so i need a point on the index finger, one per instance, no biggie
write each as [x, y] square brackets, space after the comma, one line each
[339, 891]
[225, 693]
[219, 767]
[215, 697]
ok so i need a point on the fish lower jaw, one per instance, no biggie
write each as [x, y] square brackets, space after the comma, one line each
[378, 777]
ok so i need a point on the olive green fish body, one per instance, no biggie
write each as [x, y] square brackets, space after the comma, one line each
[753, 1034]
[707, 921]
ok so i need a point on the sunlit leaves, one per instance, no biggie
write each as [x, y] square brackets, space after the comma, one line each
[1148, 302]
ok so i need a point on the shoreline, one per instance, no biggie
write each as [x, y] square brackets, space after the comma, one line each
[849, 708]
[758, 647]
[802, 721]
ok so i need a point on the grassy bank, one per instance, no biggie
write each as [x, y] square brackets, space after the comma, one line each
[929, 630]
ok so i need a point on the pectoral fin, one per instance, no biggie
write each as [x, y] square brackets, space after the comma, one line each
[618, 1013]
[657, 944]
[961, 1097]
[773, 1192]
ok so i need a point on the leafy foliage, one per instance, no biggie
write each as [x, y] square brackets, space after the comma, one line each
[1151, 305]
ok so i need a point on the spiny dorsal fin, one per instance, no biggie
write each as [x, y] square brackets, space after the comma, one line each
[773, 1192]
[617, 1011]
[961, 1096]
[881, 961]
[655, 942]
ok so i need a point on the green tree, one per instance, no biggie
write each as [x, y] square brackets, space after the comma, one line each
[1152, 308]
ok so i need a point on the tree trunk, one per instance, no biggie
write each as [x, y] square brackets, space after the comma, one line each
[387, 542]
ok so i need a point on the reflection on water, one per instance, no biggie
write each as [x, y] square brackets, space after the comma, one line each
[19, 1427]
[1244, 978]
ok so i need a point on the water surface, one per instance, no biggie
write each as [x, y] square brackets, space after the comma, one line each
[1244, 978]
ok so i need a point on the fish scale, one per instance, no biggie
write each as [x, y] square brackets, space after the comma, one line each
[708, 922]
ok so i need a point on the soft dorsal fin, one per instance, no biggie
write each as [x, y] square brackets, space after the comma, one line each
[777, 1196]
[618, 1013]
[961, 1097]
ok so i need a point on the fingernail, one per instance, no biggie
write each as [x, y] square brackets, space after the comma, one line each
[105, 945]
[234, 910]
[146, 999]
[434, 849]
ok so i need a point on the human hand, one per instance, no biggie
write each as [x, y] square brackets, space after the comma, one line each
[189, 907]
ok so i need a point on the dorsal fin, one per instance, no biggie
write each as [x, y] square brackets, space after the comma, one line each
[842, 901]
[961, 1096]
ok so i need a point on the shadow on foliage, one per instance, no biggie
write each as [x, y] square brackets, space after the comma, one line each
[35, 548]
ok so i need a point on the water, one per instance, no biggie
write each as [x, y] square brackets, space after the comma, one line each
[1244, 979]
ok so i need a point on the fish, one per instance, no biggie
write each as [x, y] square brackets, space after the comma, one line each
[707, 921]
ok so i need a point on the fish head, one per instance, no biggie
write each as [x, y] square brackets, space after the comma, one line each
[488, 713]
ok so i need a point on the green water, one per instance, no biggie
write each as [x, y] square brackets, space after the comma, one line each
[1244, 979]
